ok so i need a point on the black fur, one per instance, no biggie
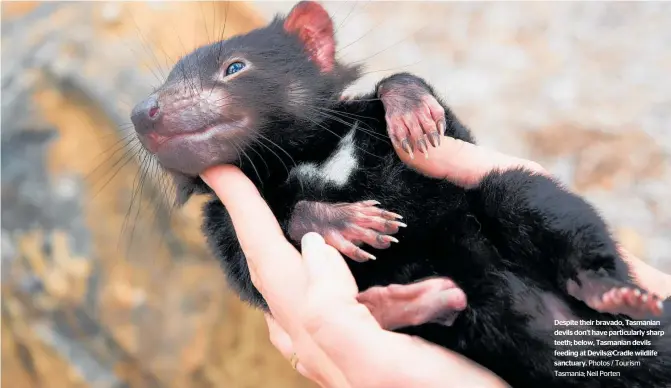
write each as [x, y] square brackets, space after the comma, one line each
[511, 243]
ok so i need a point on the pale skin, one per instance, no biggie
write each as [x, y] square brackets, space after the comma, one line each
[312, 295]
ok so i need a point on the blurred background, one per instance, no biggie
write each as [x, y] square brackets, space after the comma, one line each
[103, 285]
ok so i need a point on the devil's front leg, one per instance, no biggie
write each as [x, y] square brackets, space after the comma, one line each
[345, 226]
[414, 114]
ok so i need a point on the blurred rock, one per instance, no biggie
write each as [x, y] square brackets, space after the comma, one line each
[103, 283]
[602, 160]
[632, 241]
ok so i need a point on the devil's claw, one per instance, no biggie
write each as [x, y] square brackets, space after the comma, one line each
[413, 115]
[347, 226]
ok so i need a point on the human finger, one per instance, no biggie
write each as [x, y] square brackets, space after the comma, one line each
[647, 276]
[464, 163]
[279, 337]
[250, 214]
[329, 278]
[274, 263]
[283, 343]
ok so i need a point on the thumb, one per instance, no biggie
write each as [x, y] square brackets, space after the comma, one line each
[463, 163]
[329, 276]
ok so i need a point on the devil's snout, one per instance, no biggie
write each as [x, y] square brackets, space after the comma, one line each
[145, 115]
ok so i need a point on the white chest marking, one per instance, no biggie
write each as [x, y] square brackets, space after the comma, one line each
[338, 168]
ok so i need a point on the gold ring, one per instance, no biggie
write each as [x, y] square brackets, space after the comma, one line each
[294, 360]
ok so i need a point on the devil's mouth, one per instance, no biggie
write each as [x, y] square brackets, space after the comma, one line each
[193, 152]
[155, 140]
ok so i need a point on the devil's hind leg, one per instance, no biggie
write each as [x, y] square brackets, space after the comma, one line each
[537, 224]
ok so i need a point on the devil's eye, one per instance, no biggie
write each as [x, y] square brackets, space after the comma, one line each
[234, 68]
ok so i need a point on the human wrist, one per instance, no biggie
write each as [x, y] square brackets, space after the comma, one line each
[375, 358]
[652, 279]
[647, 276]
[371, 357]
[350, 338]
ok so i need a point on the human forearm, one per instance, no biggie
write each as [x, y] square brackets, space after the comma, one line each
[350, 344]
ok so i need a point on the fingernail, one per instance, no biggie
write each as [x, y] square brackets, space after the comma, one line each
[311, 240]
[205, 179]
[402, 225]
[421, 144]
[454, 299]
[405, 144]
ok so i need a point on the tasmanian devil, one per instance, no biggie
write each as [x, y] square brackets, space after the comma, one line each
[524, 251]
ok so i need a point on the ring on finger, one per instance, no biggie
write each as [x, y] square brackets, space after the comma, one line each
[293, 360]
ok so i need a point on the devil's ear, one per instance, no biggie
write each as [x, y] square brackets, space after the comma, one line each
[313, 25]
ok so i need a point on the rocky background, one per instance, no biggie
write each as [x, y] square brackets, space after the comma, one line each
[104, 286]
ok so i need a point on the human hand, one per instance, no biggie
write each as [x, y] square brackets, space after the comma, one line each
[466, 164]
[315, 314]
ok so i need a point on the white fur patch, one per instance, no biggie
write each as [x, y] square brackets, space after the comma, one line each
[339, 166]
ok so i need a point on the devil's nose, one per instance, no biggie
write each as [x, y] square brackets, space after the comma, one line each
[145, 114]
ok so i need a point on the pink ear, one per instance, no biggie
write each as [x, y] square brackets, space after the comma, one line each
[314, 27]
